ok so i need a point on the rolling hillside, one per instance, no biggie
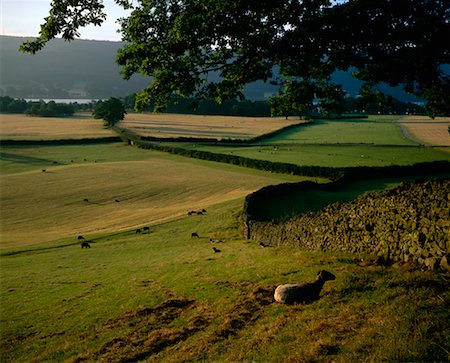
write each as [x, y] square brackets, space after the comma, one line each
[87, 69]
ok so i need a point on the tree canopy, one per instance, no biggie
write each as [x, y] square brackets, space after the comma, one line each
[212, 48]
[111, 111]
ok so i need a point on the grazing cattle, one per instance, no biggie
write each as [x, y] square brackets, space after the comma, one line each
[204, 210]
[80, 238]
[200, 213]
[300, 294]
[195, 234]
[216, 250]
[146, 230]
[86, 200]
[117, 200]
[44, 170]
[85, 245]
[138, 231]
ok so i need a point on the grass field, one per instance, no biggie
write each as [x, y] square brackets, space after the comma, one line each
[167, 297]
[219, 127]
[375, 141]
[125, 187]
[23, 127]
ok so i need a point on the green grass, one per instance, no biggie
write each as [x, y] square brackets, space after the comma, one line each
[375, 141]
[68, 303]
[165, 296]
[125, 188]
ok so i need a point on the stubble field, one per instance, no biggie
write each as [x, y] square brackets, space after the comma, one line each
[23, 127]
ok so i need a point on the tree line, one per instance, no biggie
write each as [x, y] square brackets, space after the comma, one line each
[39, 108]
[113, 109]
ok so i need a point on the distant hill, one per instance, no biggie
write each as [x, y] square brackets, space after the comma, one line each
[87, 69]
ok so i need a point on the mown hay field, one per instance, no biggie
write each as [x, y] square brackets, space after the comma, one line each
[428, 131]
[125, 188]
[23, 127]
[218, 127]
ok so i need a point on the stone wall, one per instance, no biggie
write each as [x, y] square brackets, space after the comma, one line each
[410, 223]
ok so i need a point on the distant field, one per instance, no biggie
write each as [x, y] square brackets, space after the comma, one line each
[376, 141]
[220, 127]
[23, 127]
[150, 187]
[428, 131]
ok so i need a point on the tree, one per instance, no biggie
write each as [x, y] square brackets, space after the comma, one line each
[111, 111]
[181, 43]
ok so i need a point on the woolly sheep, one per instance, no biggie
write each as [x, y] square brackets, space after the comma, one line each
[295, 293]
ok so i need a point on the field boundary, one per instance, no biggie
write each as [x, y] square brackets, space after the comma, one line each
[406, 224]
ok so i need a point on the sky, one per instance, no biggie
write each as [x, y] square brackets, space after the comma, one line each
[23, 18]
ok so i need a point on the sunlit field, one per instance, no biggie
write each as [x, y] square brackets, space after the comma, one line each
[218, 127]
[165, 295]
[23, 127]
[376, 141]
[103, 192]
[428, 131]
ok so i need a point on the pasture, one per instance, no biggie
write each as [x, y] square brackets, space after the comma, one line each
[219, 127]
[125, 188]
[376, 141]
[23, 127]
[165, 296]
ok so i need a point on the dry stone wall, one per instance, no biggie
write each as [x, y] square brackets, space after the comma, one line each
[410, 223]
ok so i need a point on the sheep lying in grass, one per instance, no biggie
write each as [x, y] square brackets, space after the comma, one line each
[300, 294]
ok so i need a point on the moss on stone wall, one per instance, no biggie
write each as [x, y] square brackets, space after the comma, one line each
[410, 223]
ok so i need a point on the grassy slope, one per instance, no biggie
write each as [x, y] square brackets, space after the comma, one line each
[149, 186]
[167, 297]
[339, 143]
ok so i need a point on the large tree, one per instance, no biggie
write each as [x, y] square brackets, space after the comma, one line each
[212, 48]
[111, 111]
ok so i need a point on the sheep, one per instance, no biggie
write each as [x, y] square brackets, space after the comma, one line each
[300, 294]
[85, 245]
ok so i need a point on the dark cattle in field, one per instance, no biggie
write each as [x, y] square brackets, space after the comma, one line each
[86, 200]
[138, 231]
[195, 234]
[80, 238]
[216, 250]
[44, 170]
[146, 229]
[85, 245]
